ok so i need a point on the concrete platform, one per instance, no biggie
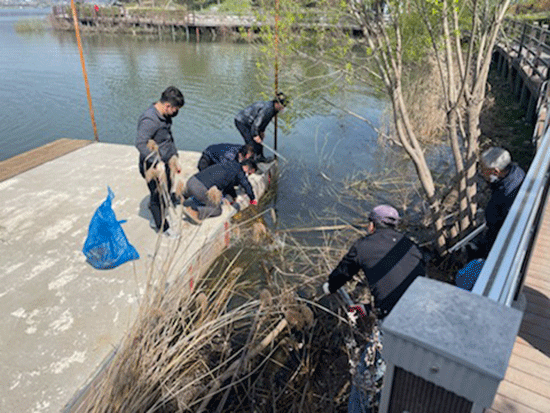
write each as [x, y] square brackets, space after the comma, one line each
[61, 317]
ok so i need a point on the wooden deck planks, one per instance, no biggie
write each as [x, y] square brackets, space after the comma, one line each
[526, 386]
[31, 159]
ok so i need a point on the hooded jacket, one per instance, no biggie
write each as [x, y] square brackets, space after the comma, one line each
[257, 116]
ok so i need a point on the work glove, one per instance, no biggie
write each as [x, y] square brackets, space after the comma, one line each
[326, 289]
[359, 309]
[253, 202]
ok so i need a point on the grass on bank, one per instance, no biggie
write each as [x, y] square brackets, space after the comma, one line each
[251, 336]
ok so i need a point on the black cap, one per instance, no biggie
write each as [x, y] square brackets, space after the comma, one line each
[281, 98]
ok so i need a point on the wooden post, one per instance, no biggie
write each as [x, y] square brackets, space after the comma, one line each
[79, 42]
[276, 68]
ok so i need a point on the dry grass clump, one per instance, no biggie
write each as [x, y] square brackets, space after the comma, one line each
[218, 348]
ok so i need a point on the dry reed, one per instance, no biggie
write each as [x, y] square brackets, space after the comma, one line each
[218, 348]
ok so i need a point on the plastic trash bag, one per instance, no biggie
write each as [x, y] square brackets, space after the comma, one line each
[467, 276]
[106, 245]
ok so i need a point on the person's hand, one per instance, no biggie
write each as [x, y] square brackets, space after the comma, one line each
[253, 202]
[359, 309]
[257, 139]
[326, 289]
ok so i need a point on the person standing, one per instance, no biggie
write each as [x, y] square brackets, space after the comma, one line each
[157, 150]
[224, 152]
[505, 178]
[253, 120]
[207, 187]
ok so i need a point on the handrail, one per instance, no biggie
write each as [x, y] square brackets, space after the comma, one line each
[531, 42]
[502, 275]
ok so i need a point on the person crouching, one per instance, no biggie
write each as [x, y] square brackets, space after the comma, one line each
[204, 190]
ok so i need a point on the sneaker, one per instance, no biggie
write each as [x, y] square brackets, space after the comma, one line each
[192, 215]
[263, 159]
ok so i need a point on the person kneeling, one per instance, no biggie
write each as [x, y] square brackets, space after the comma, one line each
[204, 190]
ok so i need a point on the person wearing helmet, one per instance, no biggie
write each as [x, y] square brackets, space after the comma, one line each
[390, 261]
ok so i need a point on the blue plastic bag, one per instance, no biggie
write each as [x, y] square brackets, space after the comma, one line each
[467, 276]
[106, 245]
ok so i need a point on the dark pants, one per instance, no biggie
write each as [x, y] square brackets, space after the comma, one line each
[157, 206]
[202, 204]
[248, 138]
[204, 162]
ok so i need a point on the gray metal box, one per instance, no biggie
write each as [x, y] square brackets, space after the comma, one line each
[452, 338]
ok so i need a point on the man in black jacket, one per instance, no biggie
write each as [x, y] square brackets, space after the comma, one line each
[223, 152]
[207, 187]
[505, 178]
[253, 120]
[390, 261]
[155, 130]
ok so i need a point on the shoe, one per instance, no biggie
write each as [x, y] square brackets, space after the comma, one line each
[176, 200]
[171, 233]
[263, 159]
[192, 215]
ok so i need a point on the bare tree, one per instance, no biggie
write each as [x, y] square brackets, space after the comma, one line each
[452, 25]
[459, 35]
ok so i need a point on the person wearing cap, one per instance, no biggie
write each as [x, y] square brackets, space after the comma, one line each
[253, 120]
[505, 178]
[224, 152]
[390, 261]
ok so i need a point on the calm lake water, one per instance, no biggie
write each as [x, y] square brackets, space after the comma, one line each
[44, 99]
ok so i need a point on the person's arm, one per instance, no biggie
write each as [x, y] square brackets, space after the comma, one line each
[344, 271]
[245, 183]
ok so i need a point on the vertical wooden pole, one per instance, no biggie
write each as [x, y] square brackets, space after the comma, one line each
[79, 42]
[276, 67]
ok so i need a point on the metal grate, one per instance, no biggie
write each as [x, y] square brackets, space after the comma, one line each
[413, 394]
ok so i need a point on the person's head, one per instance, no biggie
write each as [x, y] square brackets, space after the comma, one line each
[280, 101]
[249, 166]
[383, 216]
[171, 101]
[494, 164]
[246, 152]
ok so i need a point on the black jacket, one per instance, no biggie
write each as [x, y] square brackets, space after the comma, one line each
[390, 262]
[226, 176]
[222, 152]
[257, 116]
[503, 194]
[151, 125]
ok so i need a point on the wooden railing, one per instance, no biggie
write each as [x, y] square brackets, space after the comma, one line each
[531, 44]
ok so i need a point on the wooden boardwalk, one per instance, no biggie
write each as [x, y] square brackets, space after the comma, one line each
[31, 159]
[526, 387]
